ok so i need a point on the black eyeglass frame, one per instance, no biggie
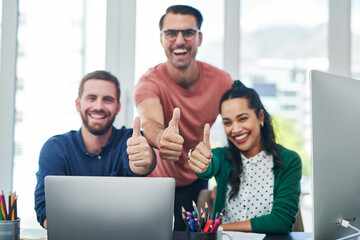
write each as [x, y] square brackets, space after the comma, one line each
[184, 32]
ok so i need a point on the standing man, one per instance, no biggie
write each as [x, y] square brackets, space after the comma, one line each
[180, 85]
[98, 148]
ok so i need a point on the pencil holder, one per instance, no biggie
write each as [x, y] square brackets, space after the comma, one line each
[218, 235]
[10, 230]
[201, 236]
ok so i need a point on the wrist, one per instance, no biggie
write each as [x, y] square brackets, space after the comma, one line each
[159, 134]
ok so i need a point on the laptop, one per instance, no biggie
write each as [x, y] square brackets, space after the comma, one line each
[80, 207]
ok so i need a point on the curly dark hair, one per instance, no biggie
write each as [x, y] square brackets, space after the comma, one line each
[239, 90]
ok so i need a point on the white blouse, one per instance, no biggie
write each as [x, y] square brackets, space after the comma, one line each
[255, 197]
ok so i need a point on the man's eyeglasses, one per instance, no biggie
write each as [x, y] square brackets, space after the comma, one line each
[188, 34]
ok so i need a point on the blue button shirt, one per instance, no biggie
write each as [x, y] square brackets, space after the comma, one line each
[66, 155]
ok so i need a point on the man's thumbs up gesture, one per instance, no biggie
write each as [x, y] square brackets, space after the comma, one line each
[200, 157]
[171, 142]
[141, 156]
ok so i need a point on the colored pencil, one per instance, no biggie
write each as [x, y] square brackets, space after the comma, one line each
[206, 211]
[202, 218]
[11, 206]
[3, 206]
[185, 218]
[2, 217]
[15, 203]
[195, 208]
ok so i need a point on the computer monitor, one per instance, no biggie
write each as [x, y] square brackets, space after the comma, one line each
[335, 116]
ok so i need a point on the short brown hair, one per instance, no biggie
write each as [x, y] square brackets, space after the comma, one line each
[183, 10]
[103, 75]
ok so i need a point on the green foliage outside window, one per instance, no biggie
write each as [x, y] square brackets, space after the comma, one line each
[287, 136]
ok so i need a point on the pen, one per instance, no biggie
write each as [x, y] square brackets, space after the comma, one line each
[197, 221]
[216, 215]
[207, 226]
[215, 225]
[189, 215]
[192, 225]
[221, 216]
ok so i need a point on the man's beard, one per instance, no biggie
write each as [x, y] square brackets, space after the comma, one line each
[97, 132]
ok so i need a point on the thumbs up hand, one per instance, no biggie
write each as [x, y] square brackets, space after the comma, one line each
[141, 155]
[136, 129]
[174, 122]
[200, 157]
[171, 142]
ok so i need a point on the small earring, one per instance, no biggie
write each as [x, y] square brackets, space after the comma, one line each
[262, 124]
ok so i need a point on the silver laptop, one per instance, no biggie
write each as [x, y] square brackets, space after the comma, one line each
[80, 208]
[335, 114]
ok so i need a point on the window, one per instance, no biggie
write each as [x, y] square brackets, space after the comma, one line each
[280, 41]
[57, 44]
[289, 93]
[0, 22]
[264, 89]
[355, 38]
[289, 107]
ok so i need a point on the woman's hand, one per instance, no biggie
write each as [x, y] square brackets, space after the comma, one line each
[200, 157]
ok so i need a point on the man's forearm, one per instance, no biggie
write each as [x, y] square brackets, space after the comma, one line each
[152, 131]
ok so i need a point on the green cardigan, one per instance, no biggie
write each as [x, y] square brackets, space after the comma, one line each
[286, 190]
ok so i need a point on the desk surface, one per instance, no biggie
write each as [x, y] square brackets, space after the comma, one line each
[179, 235]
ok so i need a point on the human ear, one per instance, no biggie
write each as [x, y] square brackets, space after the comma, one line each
[77, 104]
[261, 116]
[118, 108]
[200, 39]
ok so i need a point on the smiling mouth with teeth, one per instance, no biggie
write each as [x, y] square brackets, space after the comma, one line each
[180, 51]
[96, 116]
[241, 137]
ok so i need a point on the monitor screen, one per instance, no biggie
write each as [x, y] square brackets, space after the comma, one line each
[335, 116]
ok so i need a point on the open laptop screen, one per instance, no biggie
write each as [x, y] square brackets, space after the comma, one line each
[109, 207]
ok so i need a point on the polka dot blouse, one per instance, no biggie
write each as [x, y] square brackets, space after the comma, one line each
[255, 197]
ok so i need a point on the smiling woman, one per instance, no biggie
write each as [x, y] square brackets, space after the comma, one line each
[258, 181]
[241, 125]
